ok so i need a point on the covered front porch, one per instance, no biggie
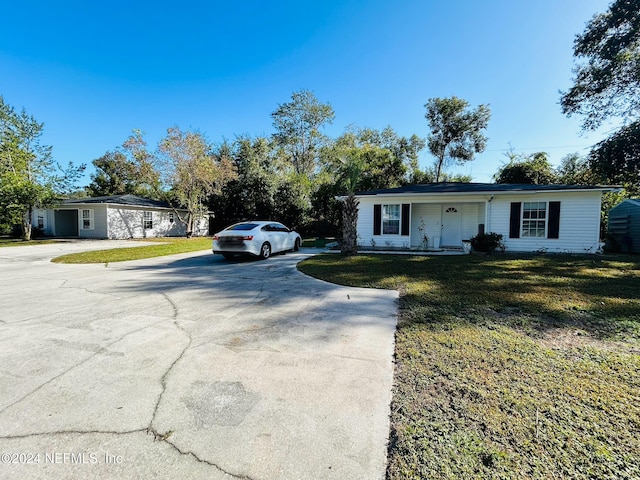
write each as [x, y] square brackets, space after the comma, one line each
[445, 225]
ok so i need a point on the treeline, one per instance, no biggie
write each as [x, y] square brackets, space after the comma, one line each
[293, 176]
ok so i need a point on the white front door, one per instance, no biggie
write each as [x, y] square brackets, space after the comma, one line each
[451, 226]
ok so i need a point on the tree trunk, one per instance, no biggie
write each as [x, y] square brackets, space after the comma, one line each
[190, 223]
[439, 168]
[350, 224]
[26, 224]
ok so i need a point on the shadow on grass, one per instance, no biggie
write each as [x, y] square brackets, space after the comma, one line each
[597, 294]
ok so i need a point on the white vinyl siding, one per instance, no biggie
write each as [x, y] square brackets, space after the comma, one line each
[99, 229]
[472, 216]
[129, 222]
[429, 215]
[579, 222]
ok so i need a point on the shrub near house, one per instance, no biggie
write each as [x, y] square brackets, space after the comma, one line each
[487, 242]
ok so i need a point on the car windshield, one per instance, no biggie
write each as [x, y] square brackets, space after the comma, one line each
[243, 226]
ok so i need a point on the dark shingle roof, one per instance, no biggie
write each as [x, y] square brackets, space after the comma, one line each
[131, 200]
[456, 187]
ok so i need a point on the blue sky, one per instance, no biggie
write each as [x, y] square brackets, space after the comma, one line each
[94, 71]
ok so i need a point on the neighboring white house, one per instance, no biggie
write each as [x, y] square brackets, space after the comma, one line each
[114, 217]
[624, 226]
[551, 218]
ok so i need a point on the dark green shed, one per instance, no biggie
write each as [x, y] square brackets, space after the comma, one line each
[624, 226]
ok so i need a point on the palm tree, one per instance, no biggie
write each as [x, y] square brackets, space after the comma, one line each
[350, 170]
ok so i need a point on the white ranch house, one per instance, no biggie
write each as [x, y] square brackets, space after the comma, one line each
[114, 217]
[550, 218]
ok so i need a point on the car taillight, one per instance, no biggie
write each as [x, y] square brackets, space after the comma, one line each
[248, 237]
[215, 237]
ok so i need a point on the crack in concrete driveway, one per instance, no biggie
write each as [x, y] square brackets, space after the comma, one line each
[245, 369]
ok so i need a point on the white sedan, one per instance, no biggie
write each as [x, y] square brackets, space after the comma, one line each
[260, 238]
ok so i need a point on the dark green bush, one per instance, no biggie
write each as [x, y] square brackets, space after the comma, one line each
[487, 242]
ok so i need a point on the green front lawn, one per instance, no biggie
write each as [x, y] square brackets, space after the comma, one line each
[509, 366]
[165, 246]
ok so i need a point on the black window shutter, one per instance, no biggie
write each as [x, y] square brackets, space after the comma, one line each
[514, 221]
[377, 219]
[405, 219]
[553, 229]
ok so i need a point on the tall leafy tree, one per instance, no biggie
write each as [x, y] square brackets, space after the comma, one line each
[576, 170]
[457, 132]
[606, 85]
[250, 194]
[29, 177]
[385, 157]
[428, 175]
[326, 209]
[112, 177]
[290, 204]
[533, 169]
[191, 171]
[607, 78]
[616, 160]
[298, 125]
[127, 170]
[404, 150]
[146, 175]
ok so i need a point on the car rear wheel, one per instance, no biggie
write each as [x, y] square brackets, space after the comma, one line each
[296, 245]
[265, 251]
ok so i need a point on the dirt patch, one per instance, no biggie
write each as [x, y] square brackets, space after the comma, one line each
[569, 338]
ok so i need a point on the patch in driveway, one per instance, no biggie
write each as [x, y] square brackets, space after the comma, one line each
[219, 403]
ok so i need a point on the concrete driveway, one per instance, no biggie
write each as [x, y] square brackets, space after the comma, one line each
[190, 366]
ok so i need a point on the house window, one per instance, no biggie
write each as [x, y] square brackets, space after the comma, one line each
[87, 219]
[147, 220]
[170, 217]
[534, 219]
[40, 219]
[391, 219]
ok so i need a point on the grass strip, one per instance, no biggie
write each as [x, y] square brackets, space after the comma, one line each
[18, 242]
[165, 246]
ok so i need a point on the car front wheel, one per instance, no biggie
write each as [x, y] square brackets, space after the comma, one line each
[265, 251]
[296, 245]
